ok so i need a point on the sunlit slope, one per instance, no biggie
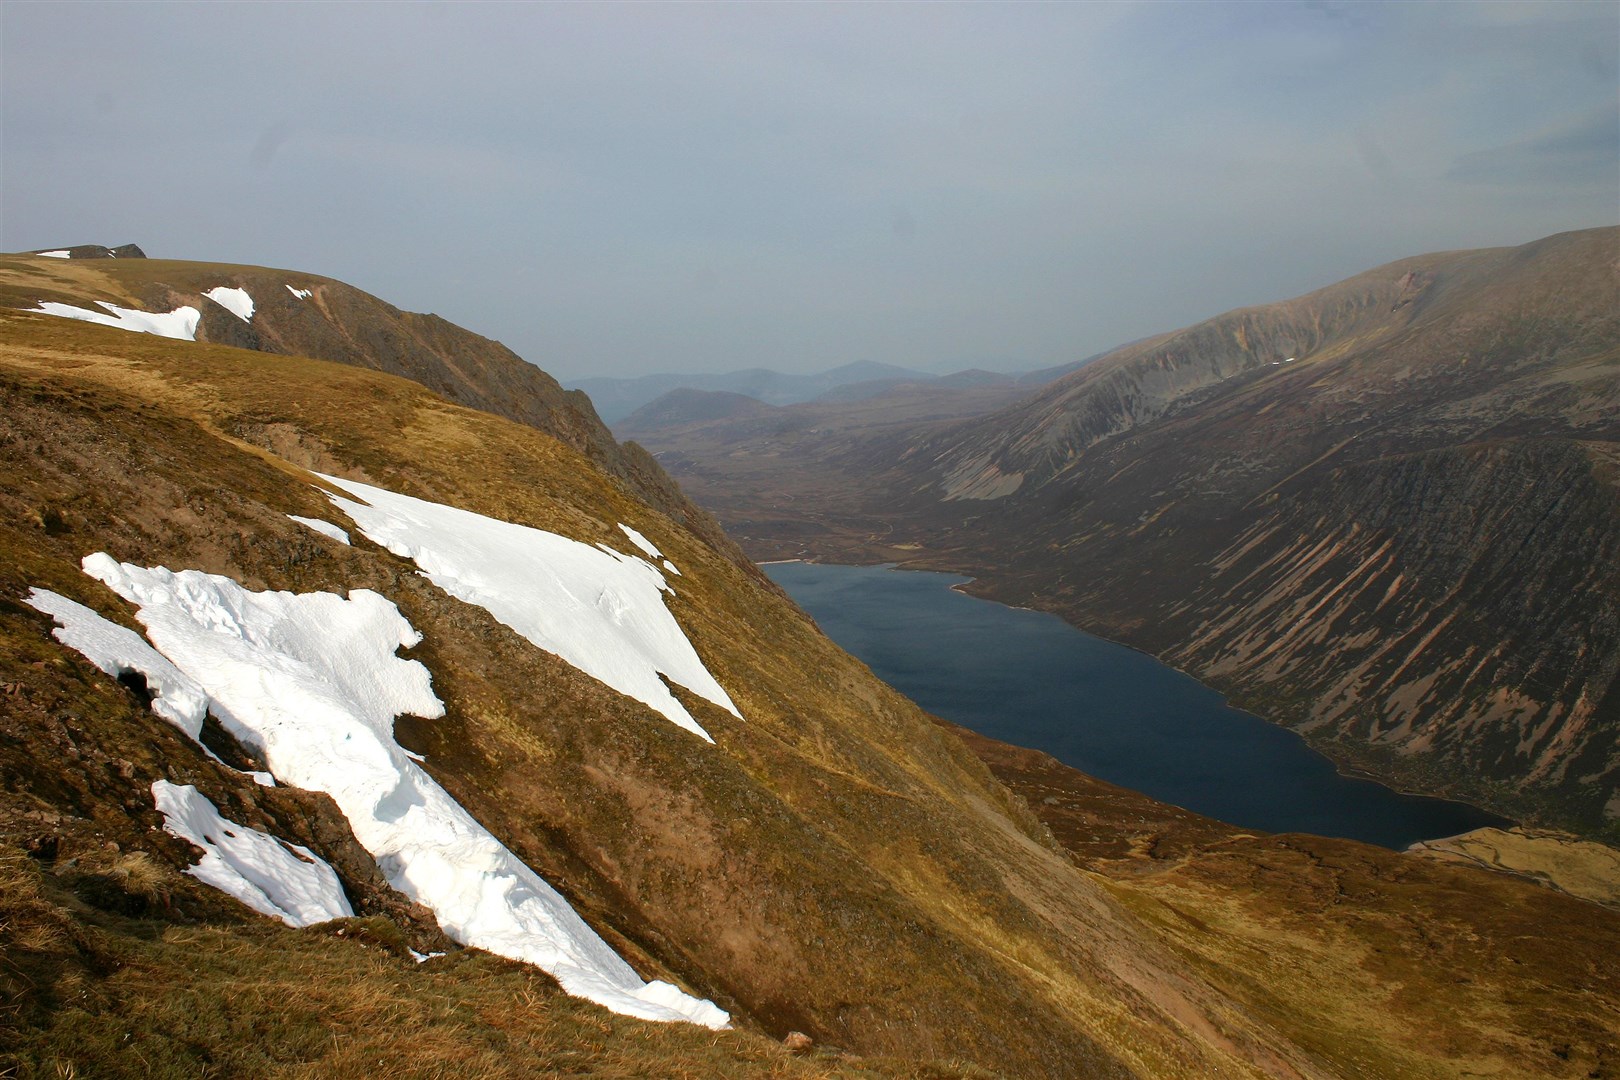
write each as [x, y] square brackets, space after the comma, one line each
[832, 864]
[294, 313]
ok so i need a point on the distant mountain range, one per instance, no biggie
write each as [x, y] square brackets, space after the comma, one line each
[616, 399]
[1386, 513]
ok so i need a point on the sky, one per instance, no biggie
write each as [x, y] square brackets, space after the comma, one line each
[625, 188]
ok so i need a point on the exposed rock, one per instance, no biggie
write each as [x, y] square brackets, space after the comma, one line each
[97, 251]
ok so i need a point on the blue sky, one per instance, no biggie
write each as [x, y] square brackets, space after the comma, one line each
[627, 188]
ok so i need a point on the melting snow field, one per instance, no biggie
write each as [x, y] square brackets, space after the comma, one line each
[312, 680]
[117, 649]
[54, 254]
[325, 528]
[235, 301]
[301, 294]
[181, 323]
[269, 875]
[599, 610]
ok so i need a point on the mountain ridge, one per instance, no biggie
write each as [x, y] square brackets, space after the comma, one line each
[1229, 497]
[835, 864]
[618, 399]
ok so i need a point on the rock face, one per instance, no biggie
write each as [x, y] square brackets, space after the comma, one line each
[97, 251]
[1385, 512]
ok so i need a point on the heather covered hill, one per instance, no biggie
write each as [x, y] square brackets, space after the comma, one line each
[1385, 513]
[683, 406]
[300, 314]
[833, 862]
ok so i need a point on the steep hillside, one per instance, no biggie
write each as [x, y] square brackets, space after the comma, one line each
[298, 314]
[832, 863]
[1385, 512]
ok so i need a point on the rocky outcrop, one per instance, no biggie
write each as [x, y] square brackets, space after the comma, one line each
[1454, 613]
[98, 251]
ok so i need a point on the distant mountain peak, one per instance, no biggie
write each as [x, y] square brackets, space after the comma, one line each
[92, 251]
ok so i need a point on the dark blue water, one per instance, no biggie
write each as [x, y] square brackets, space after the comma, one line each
[1031, 679]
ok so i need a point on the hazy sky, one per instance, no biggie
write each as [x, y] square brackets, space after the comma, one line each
[623, 188]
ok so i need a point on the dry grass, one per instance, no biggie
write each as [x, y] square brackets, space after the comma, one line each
[142, 999]
[1564, 862]
[1380, 964]
[791, 911]
[835, 865]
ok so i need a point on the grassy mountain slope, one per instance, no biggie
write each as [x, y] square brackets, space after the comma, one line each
[335, 321]
[836, 864]
[838, 867]
[1386, 513]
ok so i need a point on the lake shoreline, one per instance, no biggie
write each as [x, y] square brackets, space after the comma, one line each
[1468, 816]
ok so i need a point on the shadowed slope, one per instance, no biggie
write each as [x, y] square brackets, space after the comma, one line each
[1387, 512]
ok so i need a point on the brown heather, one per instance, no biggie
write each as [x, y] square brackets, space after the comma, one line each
[839, 864]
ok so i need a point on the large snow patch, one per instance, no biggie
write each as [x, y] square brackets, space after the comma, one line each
[235, 301]
[181, 323]
[313, 680]
[601, 611]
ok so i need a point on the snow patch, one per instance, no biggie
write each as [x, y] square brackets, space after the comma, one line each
[269, 875]
[600, 610]
[641, 542]
[302, 294]
[117, 650]
[671, 568]
[235, 301]
[54, 254]
[181, 323]
[313, 681]
[325, 528]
